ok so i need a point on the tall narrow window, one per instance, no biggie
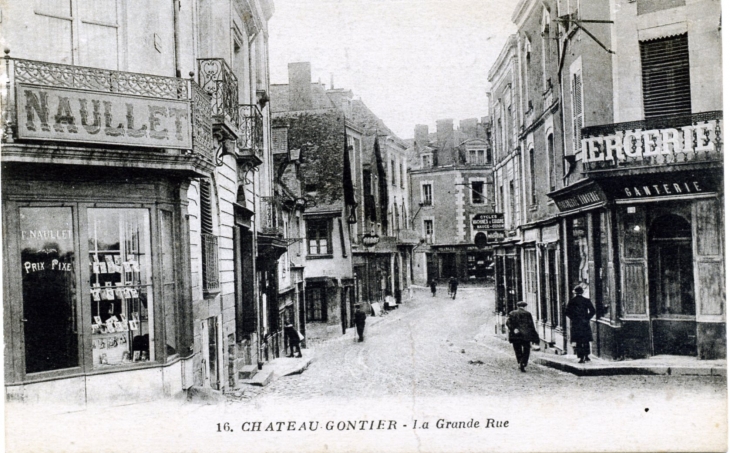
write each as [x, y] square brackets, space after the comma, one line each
[551, 162]
[427, 195]
[577, 90]
[477, 192]
[402, 176]
[393, 174]
[533, 179]
[665, 77]
[209, 242]
[428, 229]
[316, 303]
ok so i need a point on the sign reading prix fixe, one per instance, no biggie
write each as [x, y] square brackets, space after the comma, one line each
[92, 117]
[488, 222]
[636, 144]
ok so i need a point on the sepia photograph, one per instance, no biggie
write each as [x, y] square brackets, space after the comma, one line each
[363, 226]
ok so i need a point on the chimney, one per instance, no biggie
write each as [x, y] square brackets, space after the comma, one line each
[300, 86]
[445, 141]
[468, 127]
[420, 134]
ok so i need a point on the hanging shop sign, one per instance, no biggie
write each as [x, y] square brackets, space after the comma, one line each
[488, 222]
[701, 137]
[370, 240]
[60, 114]
[578, 197]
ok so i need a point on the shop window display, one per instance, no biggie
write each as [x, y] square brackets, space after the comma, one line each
[120, 284]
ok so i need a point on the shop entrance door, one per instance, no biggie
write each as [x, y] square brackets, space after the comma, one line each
[671, 287]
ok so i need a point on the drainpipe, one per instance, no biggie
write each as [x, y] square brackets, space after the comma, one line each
[176, 36]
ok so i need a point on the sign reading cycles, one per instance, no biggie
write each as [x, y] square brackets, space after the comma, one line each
[488, 222]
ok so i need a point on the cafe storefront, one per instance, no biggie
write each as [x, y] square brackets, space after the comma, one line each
[96, 263]
[644, 235]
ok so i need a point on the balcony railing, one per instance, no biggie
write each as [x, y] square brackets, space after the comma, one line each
[219, 81]
[250, 132]
[209, 244]
[75, 104]
[661, 141]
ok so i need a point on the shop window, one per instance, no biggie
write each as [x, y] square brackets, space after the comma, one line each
[427, 195]
[318, 237]
[122, 309]
[477, 192]
[671, 266]
[49, 289]
[316, 303]
[665, 77]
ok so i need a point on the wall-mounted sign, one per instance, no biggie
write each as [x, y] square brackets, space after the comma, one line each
[488, 222]
[636, 144]
[61, 114]
[661, 185]
[370, 240]
[579, 197]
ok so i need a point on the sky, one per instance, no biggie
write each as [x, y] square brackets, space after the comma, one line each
[411, 61]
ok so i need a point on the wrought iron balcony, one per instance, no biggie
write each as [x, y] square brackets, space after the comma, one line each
[250, 135]
[84, 107]
[219, 81]
[662, 141]
[270, 215]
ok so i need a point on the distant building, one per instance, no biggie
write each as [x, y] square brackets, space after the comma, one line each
[451, 184]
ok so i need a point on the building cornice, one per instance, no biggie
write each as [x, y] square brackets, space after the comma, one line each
[509, 47]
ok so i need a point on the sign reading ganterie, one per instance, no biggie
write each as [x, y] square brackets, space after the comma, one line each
[488, 222]
[92, 117]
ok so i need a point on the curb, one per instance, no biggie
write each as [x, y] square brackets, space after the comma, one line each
[638, 370]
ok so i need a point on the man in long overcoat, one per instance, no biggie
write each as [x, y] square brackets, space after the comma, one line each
[293, 336]
[522, 332]
[580, 310]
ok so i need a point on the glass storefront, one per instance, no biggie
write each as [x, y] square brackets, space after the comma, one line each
[122, 315]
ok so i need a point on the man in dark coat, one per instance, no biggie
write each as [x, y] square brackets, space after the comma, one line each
[522, 332]
[433, 287]
[580, 311]
[293, 336]
[360, 318]
[453, 284]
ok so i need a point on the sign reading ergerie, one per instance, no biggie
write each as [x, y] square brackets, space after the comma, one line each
[488, 222]
[59, 114]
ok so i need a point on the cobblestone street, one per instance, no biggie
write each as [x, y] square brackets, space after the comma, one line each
[436, 346]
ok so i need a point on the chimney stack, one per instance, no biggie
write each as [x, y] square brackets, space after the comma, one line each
[445, 141]
[420, 134]
[300, 86]
[468, 127]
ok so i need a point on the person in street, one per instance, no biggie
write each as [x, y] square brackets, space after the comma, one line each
[360, 317]
[580, 310]
[522, 332]
[453, 284]
[432, 284]
[293, 336]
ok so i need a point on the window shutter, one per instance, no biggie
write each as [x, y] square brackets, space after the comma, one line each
[206, 208]
[577, 110]
[665, 77]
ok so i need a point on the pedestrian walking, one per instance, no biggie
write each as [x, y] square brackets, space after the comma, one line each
[432, 284]
[360, 318]
[521, 333]
[580, 310]
[453, 284]
[294, 338]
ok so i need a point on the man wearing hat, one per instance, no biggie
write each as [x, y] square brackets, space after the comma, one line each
[580, 310]
[521, 333]
[360, 318]
[293, 336]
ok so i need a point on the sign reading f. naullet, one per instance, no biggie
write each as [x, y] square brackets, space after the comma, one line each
[92, 117]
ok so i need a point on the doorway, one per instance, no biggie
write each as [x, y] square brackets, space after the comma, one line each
[671, 286]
